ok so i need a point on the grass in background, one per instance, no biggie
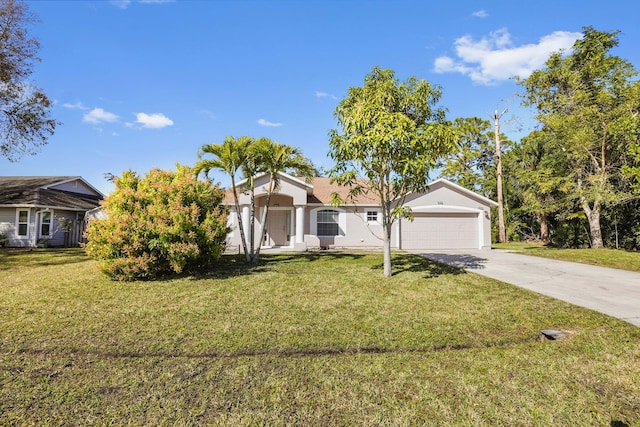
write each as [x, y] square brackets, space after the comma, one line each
[307, 339]
[613, 258]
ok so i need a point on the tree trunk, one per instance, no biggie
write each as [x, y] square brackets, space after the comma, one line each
[252, 226]
[263, 228]
[544, 228]
[387, 249]
[593, 216]
[594, 228]
[239, 217]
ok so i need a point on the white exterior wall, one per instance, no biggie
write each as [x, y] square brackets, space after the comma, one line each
[443, 198]
[355, 231]
[8, 221]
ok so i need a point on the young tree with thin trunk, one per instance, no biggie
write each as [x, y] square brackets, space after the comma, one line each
[391, 137]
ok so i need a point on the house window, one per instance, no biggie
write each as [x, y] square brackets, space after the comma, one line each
[23, 223]
[328, 223]
[372, 216]
[45, 224]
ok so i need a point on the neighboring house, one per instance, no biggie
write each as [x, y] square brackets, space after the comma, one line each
[39, 209]
[301, 217]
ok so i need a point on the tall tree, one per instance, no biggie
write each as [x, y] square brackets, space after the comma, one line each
[582, 98]
[25, 122]
[251, 157]
[274, 158]
[391, 137]
[229, 157]
[473, 161]
[540, 177]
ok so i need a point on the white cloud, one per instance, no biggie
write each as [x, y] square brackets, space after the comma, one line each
[325, 95]
[480, 14]
[98, 115]
[209, 114]
[263, 122]
[153, 121]
[495, 58]
[77, 106]
[122, 4]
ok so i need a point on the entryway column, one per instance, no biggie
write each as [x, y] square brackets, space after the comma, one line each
[246, 223]
[300, 224]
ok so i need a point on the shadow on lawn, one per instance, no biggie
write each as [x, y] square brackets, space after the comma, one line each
[455, 260]
[235, 265]
[402, 263]
[41, 257]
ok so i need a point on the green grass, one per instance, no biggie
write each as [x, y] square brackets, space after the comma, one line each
[613, 258]
[302, 339]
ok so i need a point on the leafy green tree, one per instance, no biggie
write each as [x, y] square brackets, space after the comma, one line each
[25, 122]
[164, 222]
[391, 137]
[252, 157]
[472, 163]
[583, 99]
[540, 177]
[229, 157]
[632, 128]
[274, 158]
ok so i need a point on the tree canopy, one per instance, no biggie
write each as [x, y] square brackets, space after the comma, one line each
[585, 102]
[25, 122]
[391, 136]
[249, 157]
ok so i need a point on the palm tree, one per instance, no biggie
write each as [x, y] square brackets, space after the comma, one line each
[272, 158]
[230, 157]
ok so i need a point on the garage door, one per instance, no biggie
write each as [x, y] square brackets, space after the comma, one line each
[440, 231]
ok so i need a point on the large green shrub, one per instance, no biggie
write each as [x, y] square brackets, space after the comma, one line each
[162, 223]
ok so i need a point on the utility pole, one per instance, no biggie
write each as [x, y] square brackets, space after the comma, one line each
[502, 232]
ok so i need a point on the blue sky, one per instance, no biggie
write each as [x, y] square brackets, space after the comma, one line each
[140, 84]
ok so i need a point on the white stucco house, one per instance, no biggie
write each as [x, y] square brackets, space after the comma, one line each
[301, 217]
[51, 209]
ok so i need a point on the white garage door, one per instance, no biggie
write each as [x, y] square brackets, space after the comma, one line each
[440, 231]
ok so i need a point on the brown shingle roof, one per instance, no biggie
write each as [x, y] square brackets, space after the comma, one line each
[323, 188]
[29, 191]
[321, 193]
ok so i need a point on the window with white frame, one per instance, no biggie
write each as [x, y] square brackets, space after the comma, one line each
[372, 216]
[45, 224]
[22, 223]
[327, 221]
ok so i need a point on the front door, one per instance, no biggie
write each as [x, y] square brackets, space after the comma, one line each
[279, 228]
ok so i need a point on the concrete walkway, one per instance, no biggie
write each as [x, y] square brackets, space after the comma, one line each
[606, 290]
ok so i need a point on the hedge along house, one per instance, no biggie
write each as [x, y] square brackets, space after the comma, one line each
[302, 217]
[39, 210]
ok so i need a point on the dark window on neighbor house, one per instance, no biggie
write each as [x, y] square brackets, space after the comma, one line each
[328, 223]
[45, 224]
[372, 216]
[23, 223]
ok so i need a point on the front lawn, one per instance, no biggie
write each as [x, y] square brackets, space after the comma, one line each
[302, 339]
[613, 258]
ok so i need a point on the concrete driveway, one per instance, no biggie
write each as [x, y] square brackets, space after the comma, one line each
[606, 290]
